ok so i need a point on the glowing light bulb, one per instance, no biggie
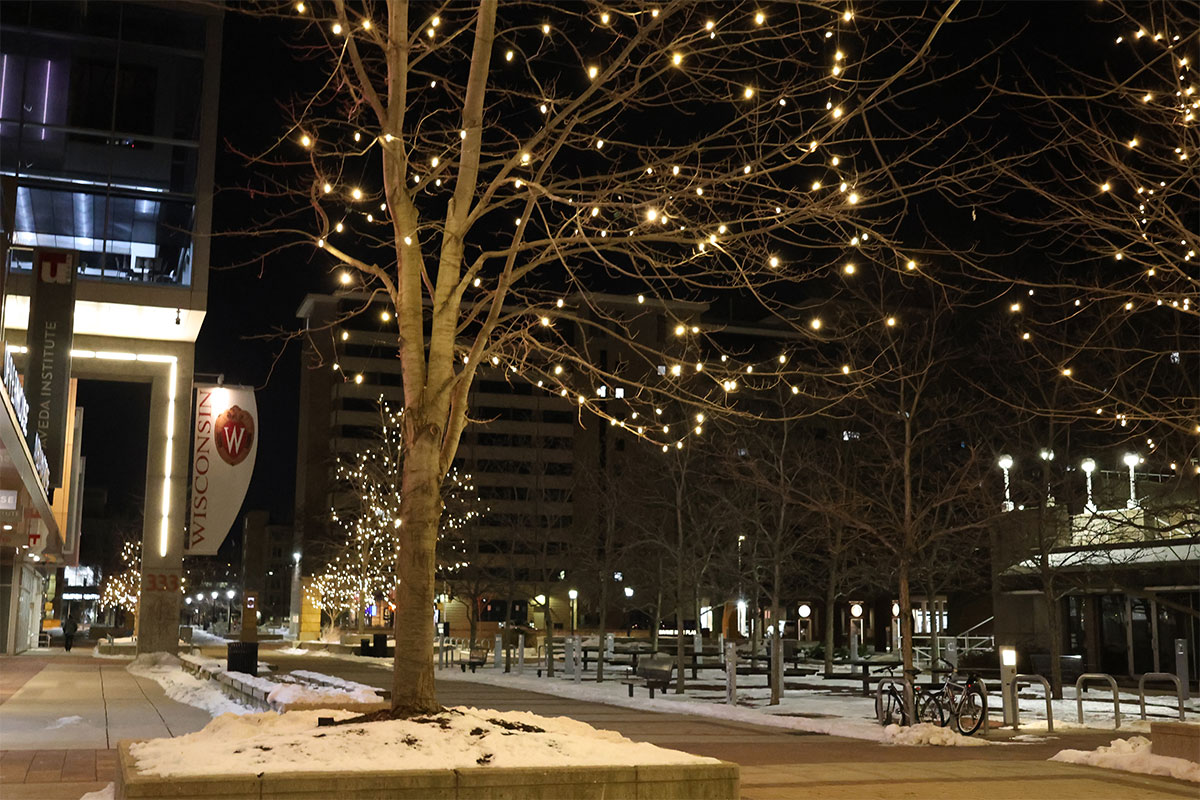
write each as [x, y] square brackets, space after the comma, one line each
[677, 59]
[508, 56]
[815, 323]
[911, 265]
[773, 261]
[748, 92]
[356, 193]
[337, 28]
[891, 322]
[593, 72]
[305, 141]
[759, 18]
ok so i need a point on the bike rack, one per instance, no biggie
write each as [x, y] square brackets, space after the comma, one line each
[1160, 676]
[1030, 680]
[1097, 676]
[893, 682]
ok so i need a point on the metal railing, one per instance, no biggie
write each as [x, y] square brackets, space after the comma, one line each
[1160, 676]
[1097, 676]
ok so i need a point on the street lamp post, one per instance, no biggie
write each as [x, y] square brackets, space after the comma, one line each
[574, 596]
[229, 610]
[1089, 466]
[1006, 462]
[295, 605]
[1131, 461]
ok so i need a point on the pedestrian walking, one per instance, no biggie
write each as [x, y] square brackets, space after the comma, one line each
[69, 628]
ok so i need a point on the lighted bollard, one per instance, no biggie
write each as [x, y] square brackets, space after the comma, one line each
[520, 653]
[1008, 674]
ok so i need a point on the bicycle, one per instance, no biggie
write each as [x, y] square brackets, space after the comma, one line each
[961, 702]
[889, 704]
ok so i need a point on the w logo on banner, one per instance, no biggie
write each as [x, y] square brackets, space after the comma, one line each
[234, 433]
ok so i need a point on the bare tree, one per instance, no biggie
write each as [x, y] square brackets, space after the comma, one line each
[483, 169]
[1105, 195]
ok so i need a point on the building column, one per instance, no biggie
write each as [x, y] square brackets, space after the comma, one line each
[165, 507]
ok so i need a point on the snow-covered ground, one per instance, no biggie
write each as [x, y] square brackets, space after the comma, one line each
[454, 739]
[818, 710]
[182, 687]
[1133, 755]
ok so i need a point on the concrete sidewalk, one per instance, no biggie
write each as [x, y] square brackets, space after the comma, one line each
[61, 716]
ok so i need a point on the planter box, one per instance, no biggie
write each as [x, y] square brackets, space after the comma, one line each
[1175, 739]
[648, 782]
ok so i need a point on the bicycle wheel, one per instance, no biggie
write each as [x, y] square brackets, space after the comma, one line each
[970, 711]
[930, 709]
[887, 707]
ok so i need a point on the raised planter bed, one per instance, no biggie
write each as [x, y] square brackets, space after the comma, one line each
[1176, 739]
[720, 781]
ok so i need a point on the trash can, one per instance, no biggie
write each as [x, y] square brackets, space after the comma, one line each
[243, 657]
[380, 648]
[365, 648]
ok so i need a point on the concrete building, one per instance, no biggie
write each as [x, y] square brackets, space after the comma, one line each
[1125, 571]
[107, 142]
[533, 457]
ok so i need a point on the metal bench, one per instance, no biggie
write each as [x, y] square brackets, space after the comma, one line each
[652, 672]
[476, 658]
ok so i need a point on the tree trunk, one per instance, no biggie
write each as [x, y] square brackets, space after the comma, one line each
[776, 643]
[549, 621]
[413, 690]
[830, 620]
[603, 624]
[1054, 622]
[473, 621]
[906, 633]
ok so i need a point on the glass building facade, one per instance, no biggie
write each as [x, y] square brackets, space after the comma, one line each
[100, 133]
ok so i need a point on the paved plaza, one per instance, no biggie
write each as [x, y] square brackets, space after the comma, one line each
[62, 715]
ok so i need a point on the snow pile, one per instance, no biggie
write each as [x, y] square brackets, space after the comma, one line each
[203, 638]
[292, 651]
[1132, 755]
[453, 739]
[107, 793]
[332, 680]
[926, 733]
[291, 694]
[165, 670]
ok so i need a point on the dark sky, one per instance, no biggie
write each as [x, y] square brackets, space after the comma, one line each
[249, 302]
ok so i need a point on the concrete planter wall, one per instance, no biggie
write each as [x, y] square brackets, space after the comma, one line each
[1175, 739]
[650, 782]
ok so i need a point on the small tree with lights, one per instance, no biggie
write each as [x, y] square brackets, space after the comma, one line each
[122, 588]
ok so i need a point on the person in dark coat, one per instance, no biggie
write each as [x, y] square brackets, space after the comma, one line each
[69, 628]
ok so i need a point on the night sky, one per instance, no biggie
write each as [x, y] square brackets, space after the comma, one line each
[251, 301]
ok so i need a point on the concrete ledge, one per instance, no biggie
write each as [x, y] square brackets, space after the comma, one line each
[719, 781]
[256, 697]
[1175, 739]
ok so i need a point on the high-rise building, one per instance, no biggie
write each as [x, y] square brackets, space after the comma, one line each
[532, 454]
[107, 142]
